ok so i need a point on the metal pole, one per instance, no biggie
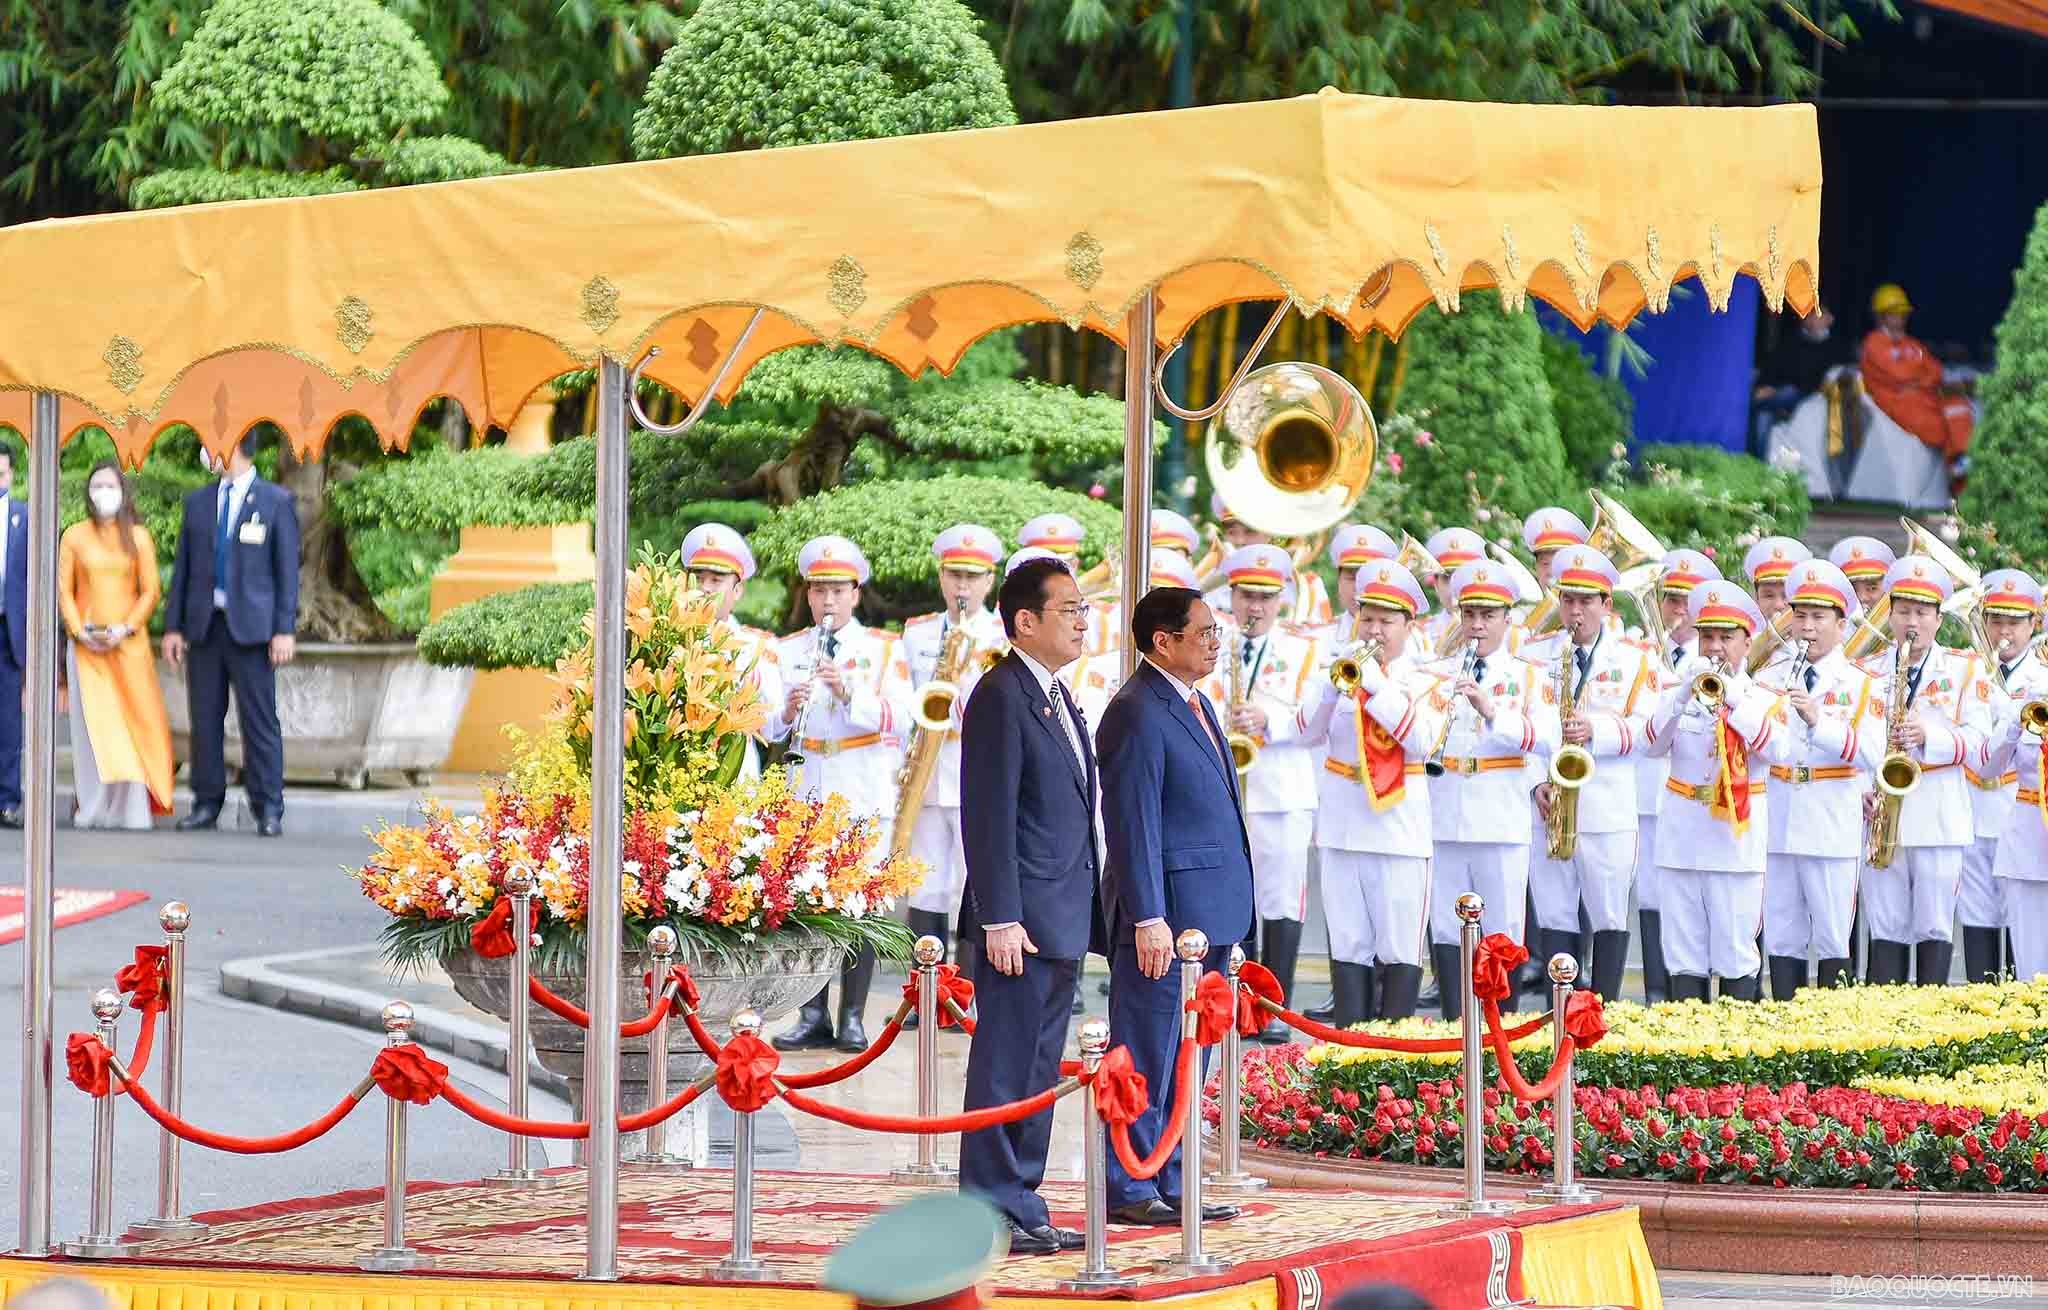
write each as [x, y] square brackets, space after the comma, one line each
[1230, 1178]
[171, 1219]
[1564, 1189]
[101, 1242]
[1470, 909]
[926, 956]
[1141, 356]
[1096, 1271]
[1193, 948]
[519, 1171]
[38, 767]
[607, 785]
[655, 1157]
[394, 1256]
[741, 1266]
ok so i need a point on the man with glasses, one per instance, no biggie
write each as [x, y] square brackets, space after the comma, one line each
[719, 564]
[1027, 824]
[1179, 858]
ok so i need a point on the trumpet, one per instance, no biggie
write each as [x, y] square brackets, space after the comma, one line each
[1897, 775]
[1710, 688]
[1347, 671]
[1434, 765]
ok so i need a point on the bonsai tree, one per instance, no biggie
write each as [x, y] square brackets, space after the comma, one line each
[295, 98]
[2006, 454]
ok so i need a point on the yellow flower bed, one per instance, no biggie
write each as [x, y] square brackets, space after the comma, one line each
[1992, 1088]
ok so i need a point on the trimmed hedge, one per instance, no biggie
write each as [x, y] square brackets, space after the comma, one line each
[2010, 447]
[529, 628]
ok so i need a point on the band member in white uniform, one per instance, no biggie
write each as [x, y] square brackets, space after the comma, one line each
[1373, 822]
[2012, 615]
[1836, 734]
[1609, 685]
[1766, 565]
[1711, 834]
[720, 565]
[844, 710]
[1864, 561]
[1497, 709]
[1314, 611]
[965, 555]
[1678, 573]
[1911, 905]
[2022, 869]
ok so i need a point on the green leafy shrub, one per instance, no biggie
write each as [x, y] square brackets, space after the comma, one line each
[440, 491]
[1713, 500]
[529, 628]
[207, 186]
[2010, 447]
[1594, 413]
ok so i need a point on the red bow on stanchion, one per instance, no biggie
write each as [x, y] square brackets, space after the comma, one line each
[407, 1073]
[1214, 1008]
[491, 936]
[1585, 1019]
[1259, 984]
[88, 1063]
[746, 1073]
[143, 981]
[1494, 965]
[686, 986]
[1121, 1095]
[954, 986]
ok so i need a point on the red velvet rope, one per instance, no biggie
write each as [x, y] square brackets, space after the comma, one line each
[571, 1131]
[937, 1125]
[581, 1018]
[706, 1043]
[178, 1128]
[1511, 1073]
[145, 1042]
[1169, 1140]
[846, 1069]
[1322, 1032]
[958, 1016]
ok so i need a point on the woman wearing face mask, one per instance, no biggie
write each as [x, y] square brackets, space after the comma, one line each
[107, 587]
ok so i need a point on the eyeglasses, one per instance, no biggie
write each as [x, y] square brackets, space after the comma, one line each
[1213, 634]
[1072, 613]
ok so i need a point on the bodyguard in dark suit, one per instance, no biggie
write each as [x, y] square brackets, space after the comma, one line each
[1027, 820]
[14, 647]
[230, 616]
[1179, 858]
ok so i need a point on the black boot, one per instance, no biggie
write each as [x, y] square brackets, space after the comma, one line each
[1857, 973]
[1582, 951]
[1400, 984]
[1980, 954]
[1748, 988]
[1610, 962]
[1283, 948]
[813, 1031]
[1656, 978]
[854, 980]
[1788, 975]
[1688, 987]
[1350, 993]
[1887, 962]
[1833, 973]
[1932, 961]
[924, 923]
[2006, 964]
[1451, 1005]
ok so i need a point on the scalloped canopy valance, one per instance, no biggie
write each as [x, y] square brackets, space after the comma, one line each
[1364, 209]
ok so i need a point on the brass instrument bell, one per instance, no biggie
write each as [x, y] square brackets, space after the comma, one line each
[1295, 449]
[1347, 671]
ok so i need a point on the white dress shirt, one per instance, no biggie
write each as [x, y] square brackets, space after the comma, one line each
[235, 491]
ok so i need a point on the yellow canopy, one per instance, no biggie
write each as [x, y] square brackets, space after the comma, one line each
[1362, 208]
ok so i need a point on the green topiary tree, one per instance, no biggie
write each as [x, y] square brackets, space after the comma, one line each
[2011, 445]
[1594, 414]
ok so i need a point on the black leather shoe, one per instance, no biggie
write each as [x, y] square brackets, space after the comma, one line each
[1068, 1239]
[10, 817]
[1213, 1212]
[1276, 1033]
[270, 826]
[1152, 1213]
[201, 817]
[1032, 1241]
[813, 1031]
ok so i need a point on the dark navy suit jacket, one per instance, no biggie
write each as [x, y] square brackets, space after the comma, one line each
[1178, 849]
[1027, 814]
[17, 578]
[262, 577]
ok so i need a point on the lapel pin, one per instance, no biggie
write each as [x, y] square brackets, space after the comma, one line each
[1045, 711]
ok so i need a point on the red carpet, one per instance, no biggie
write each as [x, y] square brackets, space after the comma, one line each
[74, 905]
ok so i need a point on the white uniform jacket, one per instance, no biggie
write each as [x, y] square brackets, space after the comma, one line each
[2023, 846]
[1816, 795]
[850, 746]
[1938, 812]
[924, 638]
[1689, 834]
[1489, 768]
[1279, 678]
[1619, 688]
[1396, 710]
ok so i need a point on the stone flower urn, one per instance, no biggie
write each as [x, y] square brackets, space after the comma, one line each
[773, 977]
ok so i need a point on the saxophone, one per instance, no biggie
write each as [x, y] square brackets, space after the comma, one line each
[1244, 752]
[934, 716]
[1570, 768]
[1897, 775]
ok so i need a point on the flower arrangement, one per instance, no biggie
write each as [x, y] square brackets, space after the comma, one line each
[724, 862]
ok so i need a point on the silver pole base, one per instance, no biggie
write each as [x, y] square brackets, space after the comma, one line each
[527, 1179]
[1476, 1209]
[393, 1260]
[746, 1271]
[100, 1246]
[1576, 1194]
[1180, 1267]
[1097, 1281]
[656, 1164]
[176, 1226]
[925, 1175]
[1237, 1184]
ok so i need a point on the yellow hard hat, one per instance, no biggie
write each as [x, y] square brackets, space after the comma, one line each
[1890, 299]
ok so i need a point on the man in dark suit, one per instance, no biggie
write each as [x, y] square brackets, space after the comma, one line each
[1027, 822]
[14, 647]
[1179, 858]
[232, 609]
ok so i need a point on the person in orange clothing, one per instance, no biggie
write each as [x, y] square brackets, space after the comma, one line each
[107, 588]
[1904, 380]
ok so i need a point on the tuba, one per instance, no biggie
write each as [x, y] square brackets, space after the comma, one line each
[1415, 557]
[1295, 449]
[1347, 671]
[1872, 635]
[1897, 775]
[1571, 767]
[1772, 638]
[1620, 536]
[933, 712]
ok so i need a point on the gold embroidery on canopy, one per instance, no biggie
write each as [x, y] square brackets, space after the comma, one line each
[352, 324]
[600, 304]
[1084, 261]
[124, 364]
[849, 285]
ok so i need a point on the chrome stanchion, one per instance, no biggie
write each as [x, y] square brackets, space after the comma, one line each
[1564, 1188]
[519, 1171]
[171, 1219]
[1193, 948]
[394, 1256]
[102, 1242]
[655, 1157]
[1096, 1271]
[928, 954]
[1471, 1027]
[741, 1266]
[1230, 1179]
